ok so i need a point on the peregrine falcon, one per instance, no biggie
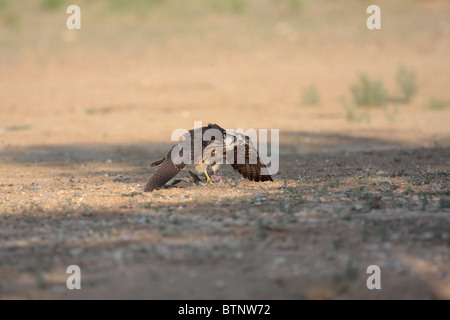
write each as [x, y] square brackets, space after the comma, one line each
[215, 143]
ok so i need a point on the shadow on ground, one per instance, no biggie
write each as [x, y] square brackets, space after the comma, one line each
[135, 154]
[310, 234]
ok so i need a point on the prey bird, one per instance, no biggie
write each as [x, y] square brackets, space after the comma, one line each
[215, 144]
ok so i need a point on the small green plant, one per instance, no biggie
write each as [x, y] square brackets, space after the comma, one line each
[51, 4]
[141, 6]
[291, 5]
[407, 83]
[94, 110]
[301, 179]
[368, 92]
[295, 4]
[18, 128]
[436, 104]
[91, 111]
[235, 6]
[3, 5]
[353, 115]
[310, 96]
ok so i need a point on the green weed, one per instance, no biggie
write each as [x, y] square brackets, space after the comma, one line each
[368, 92]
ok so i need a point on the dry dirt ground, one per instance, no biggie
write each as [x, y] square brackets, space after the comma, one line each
[83, 113]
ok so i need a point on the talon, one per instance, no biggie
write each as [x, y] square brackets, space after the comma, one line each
[208, 179]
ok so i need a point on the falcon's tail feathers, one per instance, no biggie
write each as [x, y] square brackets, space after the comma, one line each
[162, 175]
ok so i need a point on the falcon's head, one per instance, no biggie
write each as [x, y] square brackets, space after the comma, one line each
[230, 139]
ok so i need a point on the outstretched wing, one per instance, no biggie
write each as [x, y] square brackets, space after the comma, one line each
[249, 164]
[166, 171]
[157, 162]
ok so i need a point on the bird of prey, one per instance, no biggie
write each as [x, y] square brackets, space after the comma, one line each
[215, 144]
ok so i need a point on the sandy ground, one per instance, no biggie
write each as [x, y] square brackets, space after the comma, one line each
[83, 113]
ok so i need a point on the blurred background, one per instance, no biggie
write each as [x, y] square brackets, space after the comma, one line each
[364, 133]
[139, 69]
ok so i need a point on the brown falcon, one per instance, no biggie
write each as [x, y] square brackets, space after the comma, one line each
[215, 144]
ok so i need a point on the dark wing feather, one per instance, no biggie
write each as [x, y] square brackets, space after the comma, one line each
[168, 169]
[250, 171]
[195, 177]
[157, 162]
[163, 174]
